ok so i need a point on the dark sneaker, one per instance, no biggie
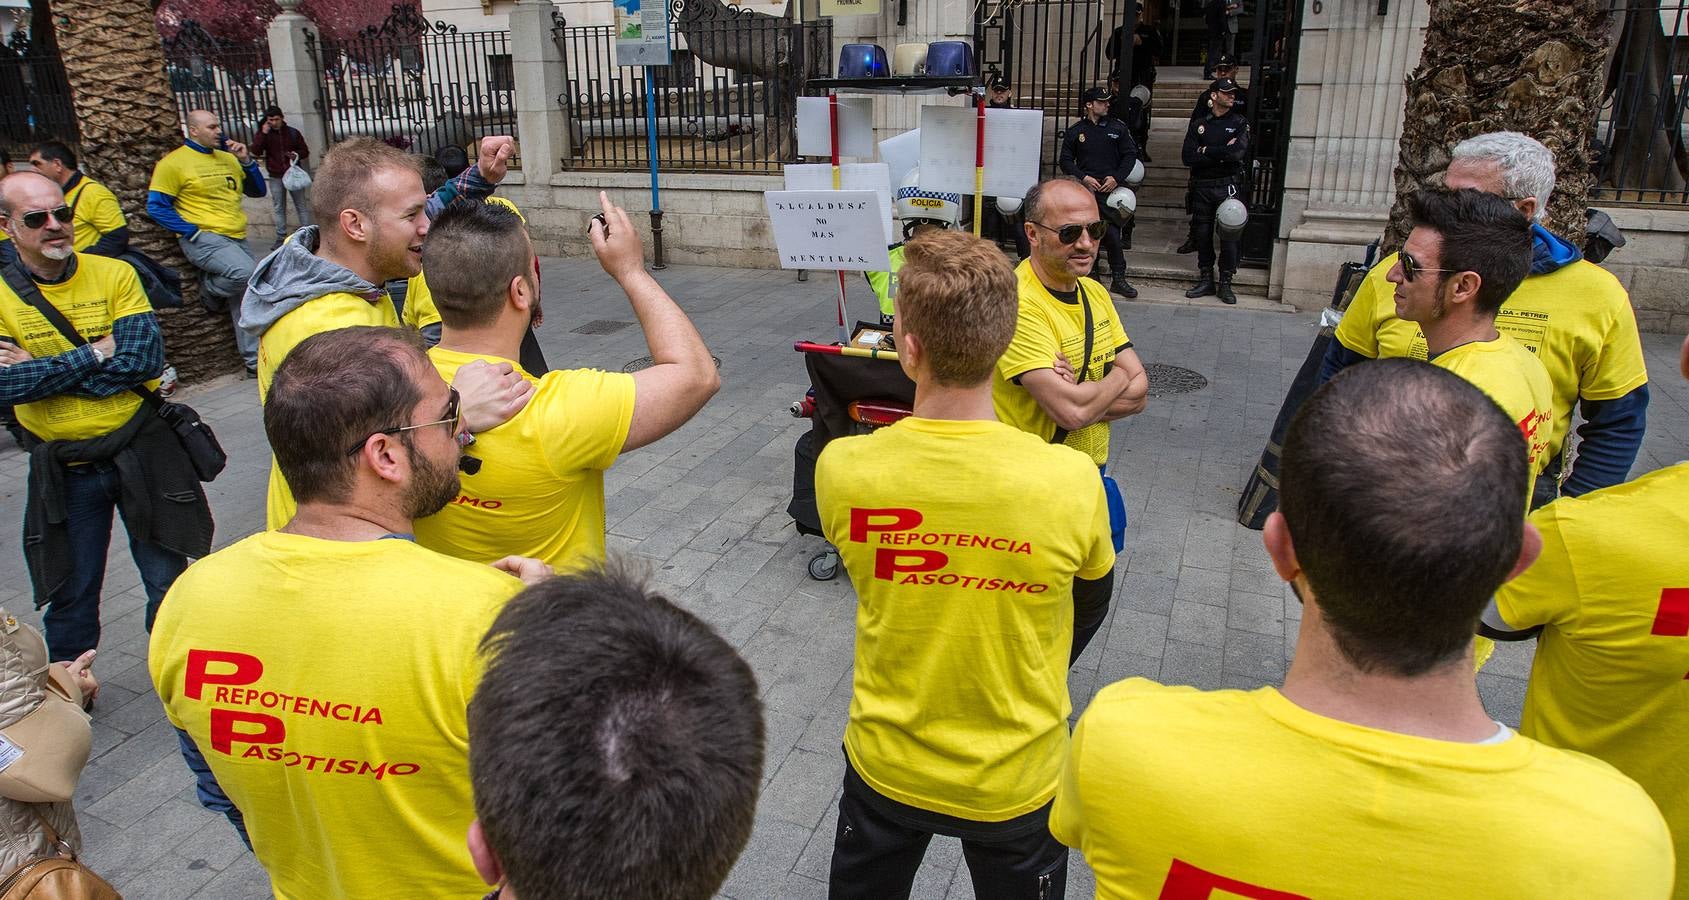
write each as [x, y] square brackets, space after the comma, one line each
[1124, 288]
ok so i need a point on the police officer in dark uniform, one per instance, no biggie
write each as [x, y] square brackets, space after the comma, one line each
[1098, 150]
[1225, 68]
[1216, 148]
[999, 227]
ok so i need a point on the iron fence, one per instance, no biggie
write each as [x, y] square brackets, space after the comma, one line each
[35, 100]
[1641, 158]
[231, 79]
[415, 84]
[727, 101]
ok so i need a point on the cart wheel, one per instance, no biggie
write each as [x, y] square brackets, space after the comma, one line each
[824, 566]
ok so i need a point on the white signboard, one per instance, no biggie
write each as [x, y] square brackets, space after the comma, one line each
[856, 127]
[642, 32]
[850, 7]
[901, 153]
[874, 177]
[1013, 138]
[828, 230]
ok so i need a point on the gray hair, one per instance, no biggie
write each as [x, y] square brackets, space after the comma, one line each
[1527, 167]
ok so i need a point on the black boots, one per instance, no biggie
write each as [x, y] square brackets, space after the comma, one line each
[1204, 286]
[1226, 295]
[1122, 287]
[1189, 246]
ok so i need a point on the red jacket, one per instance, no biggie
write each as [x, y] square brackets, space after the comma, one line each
[276, 145]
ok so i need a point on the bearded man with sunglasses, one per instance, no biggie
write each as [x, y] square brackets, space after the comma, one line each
[321, 673]
[94, 445]
[1070, 369]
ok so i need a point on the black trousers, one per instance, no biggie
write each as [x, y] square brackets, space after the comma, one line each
[1111, 241]
[880, 843]
[1206, 197]
[1090, 608]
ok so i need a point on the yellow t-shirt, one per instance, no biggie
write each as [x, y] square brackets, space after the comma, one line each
[98, 293]
[326, 313]
[1517, 382]
[1178, 793]
[420, 311]
[964, 607]
[207, 188]
[1047, 326]
[540, 491]
[1611, 676]
[97, 212]
[327, 684]
[1576, 319]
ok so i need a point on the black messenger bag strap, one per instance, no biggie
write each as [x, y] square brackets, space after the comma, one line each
[1085, 361]
[30, 293]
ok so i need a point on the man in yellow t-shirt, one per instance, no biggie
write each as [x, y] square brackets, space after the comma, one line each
[196, 192]
[1070, 369]
[964, 582]
[1574, 315]
[1375, 771]
[371, 217]
[346, 760]
[1610, 597]
[95, 448]
[100, 225]
[540, 489]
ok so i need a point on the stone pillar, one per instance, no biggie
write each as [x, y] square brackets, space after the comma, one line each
[542, 127]
[296, 76]
[1346, 120]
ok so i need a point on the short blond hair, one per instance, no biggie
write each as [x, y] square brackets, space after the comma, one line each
[959, 296]
[348, 168]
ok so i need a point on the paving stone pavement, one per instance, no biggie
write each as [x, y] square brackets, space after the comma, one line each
[1196, 602]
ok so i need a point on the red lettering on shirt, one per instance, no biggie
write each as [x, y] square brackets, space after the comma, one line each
[247, 669]
[1187, 882]
[887, 563]
[1672, 619]
[863, 521]
[224, 730]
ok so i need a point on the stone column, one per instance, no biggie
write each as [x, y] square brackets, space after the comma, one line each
[542, 127]
[295, 73]
[1345, 122]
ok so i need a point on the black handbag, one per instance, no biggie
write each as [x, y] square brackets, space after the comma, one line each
[195, 436]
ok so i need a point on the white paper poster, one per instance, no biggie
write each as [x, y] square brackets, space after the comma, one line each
[1013, 139]
[901, 153]
[874, 177]
[856, 127]
[828, 230]
[642, 32]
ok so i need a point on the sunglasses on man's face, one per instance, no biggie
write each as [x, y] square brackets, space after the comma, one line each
[1411, 266]
[38, 217]
[453, 417]
[1068, 234]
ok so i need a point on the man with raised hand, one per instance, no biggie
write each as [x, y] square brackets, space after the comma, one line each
[1375, 771]
[540, 489]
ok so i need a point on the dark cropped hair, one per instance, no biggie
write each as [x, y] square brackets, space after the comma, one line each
[472, 251]
[333, 390]
[615, 743]
[1404, 490]
[58, 152]
[1480, 233]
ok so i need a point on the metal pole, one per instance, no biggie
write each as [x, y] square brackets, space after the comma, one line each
[657, 260]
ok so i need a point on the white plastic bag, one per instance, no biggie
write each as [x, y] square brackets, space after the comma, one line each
[295, 178]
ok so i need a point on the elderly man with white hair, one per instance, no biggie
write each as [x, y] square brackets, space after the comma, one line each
[1574, 315]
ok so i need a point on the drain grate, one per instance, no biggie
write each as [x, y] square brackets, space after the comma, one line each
[1164, 380]
[600, 326]
[644, 362]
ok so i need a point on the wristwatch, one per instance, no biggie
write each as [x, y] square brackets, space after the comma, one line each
[99, 358]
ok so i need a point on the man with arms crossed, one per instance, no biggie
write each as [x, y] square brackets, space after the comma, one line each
[371, 217]
[958, 712]
[1573, 314]
[347, 759]
[1610, 599]
[628, 766]
[1375, 772]
[540, 491]
[1070, 369]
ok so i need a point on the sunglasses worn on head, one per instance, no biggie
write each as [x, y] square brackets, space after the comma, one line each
[1067, 234]
[38, 217]
[1411, 266]
[454, 416]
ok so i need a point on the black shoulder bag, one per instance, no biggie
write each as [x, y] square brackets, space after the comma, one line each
[159, 282]
[1085, 364]
[195, 436]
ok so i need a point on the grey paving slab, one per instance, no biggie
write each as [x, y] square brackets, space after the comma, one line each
[1196, 601]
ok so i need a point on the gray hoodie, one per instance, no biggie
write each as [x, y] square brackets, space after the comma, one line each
[292, 275]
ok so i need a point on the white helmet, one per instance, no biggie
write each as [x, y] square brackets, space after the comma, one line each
[1008, 206]
[1121, 204]
[1140, 93]
[1231, 217]
[1136, 176]
[914, 205]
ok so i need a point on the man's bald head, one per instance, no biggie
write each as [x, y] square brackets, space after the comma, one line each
[23, 193]
[29, 190]
[204, 129]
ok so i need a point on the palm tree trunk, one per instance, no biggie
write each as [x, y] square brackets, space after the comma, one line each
[1536, 66]
[128, 121]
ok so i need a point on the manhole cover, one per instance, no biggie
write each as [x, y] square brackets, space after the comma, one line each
[644, 362]
[1164, 380]
[600, 326]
